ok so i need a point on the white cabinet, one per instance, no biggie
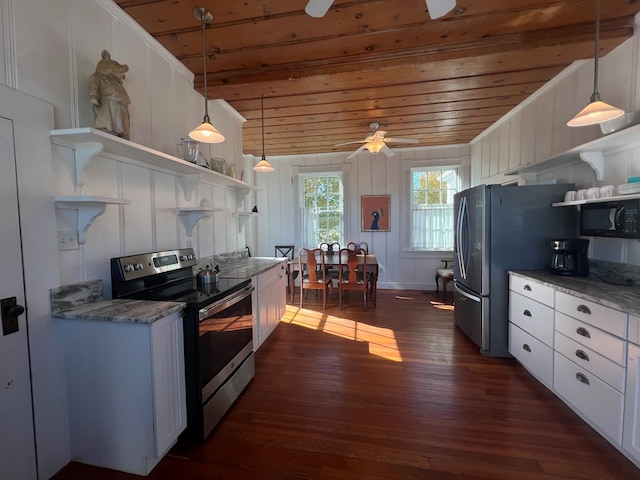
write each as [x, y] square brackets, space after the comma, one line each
[631, 427]
[126, 391]
[590, 361]
[269, 302]
[531, 327]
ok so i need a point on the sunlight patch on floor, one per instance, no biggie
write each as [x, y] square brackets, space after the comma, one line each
[441, 305]
[382, 341]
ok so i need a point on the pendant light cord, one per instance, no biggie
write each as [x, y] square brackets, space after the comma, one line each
[596, 94]
[262, 110]
[204, 70]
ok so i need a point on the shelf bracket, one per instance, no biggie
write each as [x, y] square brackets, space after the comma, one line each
[192, 216]
[241, 193]
[188, 183]
[596, 161]
[84, 153]
[529, 177]
[88, 208]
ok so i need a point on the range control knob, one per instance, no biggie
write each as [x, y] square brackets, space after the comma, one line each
[138, 266]
[184, 258]
[128, 267]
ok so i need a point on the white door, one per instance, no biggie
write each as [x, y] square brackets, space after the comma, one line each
[17, 447]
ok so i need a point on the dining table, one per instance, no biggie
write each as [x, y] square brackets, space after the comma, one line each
[333, 261]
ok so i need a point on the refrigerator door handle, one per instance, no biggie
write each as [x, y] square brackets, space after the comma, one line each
[463, 221]
[464, 293]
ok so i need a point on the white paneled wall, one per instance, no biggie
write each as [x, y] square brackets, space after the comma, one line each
[545, 114]
[363, 175]
[49, 50]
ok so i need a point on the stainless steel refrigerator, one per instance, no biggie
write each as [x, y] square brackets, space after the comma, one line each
[500, 228]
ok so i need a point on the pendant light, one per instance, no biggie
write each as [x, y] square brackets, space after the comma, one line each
[597, 111]
[205, 132]
[263, 165]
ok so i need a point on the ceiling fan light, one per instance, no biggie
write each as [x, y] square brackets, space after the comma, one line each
[206, 133]
[263, 166]
[375, 146]
[595, 112]
[318, 8]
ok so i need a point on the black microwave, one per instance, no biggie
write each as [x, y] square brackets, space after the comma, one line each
[615, 218]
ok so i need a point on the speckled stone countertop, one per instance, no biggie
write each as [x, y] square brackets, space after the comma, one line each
[249, 267]
[620, 297]
[84, 301]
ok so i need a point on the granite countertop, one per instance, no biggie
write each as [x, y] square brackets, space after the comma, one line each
[85, 301]
[122, 311]
[620, 297]
[249, 267]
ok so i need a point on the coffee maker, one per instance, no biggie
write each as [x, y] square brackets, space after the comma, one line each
[569, 257]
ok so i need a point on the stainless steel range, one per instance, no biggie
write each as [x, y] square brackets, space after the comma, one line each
[218, 326]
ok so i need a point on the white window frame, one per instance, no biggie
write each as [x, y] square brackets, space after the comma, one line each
[322, 172]
[406, 201]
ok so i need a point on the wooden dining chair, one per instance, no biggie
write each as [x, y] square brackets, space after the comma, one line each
[329, 248]
[285, 251]
[353, 275]
[313, 273]
[354, 245]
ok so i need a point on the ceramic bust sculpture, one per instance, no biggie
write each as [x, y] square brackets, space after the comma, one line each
[108, 97]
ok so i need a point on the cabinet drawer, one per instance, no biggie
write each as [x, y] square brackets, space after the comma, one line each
[634, 329]
[267, 278]
[589, 395]
[605, 318]
[603, 368]
[532, 289]
[533, 317]
[534, 355]
[597, 340]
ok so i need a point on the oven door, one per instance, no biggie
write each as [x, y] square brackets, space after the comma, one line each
[225, 339]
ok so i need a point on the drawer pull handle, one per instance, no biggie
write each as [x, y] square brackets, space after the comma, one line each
[583, 332]
[584, 309]
[582, 354]
[526, 347]
[581, 377]
[526, 313]
[527, 288]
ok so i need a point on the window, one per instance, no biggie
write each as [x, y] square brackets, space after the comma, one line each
[322, 212]
[432, 191]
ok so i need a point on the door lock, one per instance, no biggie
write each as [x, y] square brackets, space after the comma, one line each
[10, 313]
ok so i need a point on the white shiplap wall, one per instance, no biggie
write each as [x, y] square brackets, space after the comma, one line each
[49, 50]
[363, 175]
[510, 144]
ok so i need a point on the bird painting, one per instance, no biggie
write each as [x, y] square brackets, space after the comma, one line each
[375, 213]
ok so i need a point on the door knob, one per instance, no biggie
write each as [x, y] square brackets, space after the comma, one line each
[10, 312]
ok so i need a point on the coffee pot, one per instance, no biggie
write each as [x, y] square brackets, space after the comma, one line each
[569, 257]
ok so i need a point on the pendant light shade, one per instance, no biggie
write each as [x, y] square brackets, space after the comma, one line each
[263, 165]
[205, 132]
[596, 111]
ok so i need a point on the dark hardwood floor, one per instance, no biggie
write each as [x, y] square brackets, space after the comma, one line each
[392, 392]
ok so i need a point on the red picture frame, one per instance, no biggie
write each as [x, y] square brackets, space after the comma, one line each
[375, 213]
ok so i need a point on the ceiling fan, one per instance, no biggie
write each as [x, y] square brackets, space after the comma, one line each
[377, 142]
[436, 8]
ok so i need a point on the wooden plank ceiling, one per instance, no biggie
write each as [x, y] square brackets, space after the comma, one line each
[324, 80]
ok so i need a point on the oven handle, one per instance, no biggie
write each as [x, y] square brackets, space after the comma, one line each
[225, 302]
